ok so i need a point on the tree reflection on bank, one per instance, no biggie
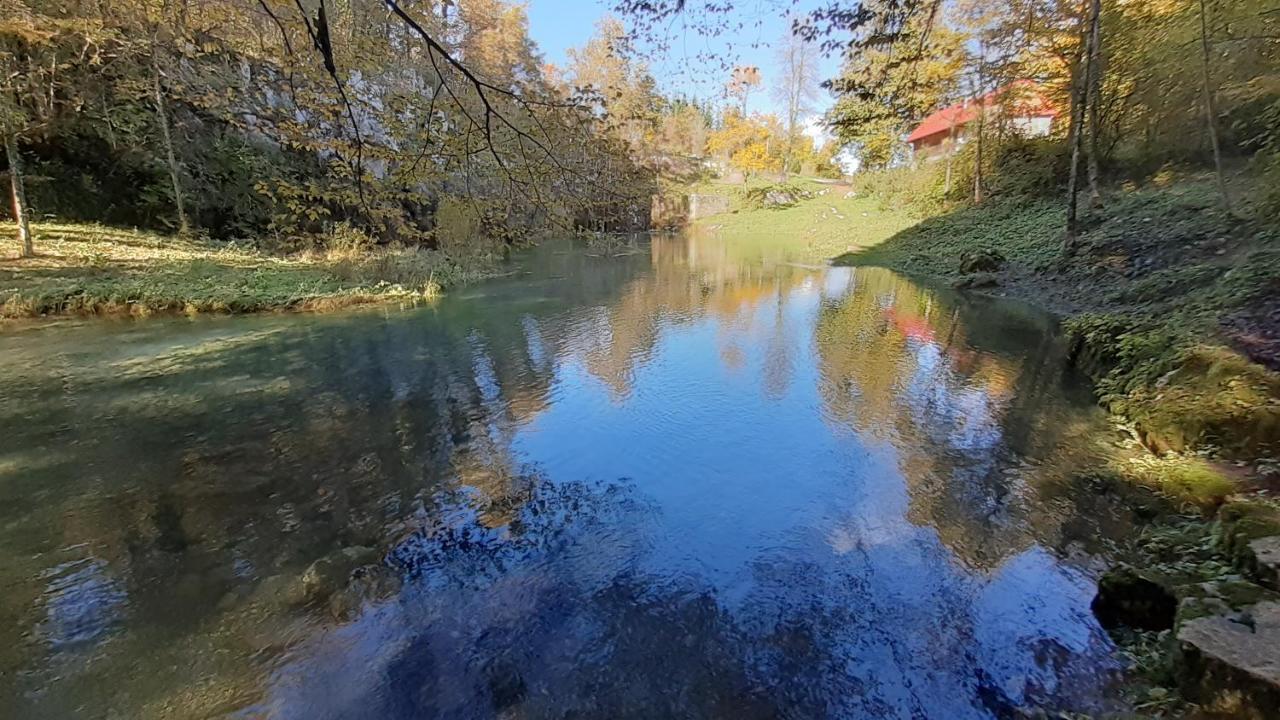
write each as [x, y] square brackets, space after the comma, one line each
[678, 479]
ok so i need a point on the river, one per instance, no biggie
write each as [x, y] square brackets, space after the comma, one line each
[673, 478]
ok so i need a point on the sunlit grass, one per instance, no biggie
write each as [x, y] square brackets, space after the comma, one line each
[94, 269]
[815, 229]
[1187, 480]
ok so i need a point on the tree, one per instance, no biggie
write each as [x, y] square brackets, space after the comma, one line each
[1093, 99]
[166, 138]
[684, 127]
[18, 194]
[750, 144]
[621, 92]
[1080, 102]
[797, 85]
[755, 158]
[1210, 105]
[18, 33]
[45, 66]
[1000, 35]
[883, 90]
[742, 81]
[839, 25]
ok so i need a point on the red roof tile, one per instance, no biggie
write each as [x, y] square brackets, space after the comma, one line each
[1029, 103]
[943, 121]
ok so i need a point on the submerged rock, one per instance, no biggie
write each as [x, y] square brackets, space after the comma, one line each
[1129, 598]
[368, 583]
[279, 591]
[329, 574]
[1230, 662]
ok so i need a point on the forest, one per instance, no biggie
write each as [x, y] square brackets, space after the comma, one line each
[1111, 164]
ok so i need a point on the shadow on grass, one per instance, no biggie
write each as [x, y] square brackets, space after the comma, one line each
[1026, 233]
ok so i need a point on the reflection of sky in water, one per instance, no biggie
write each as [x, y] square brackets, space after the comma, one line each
[825, 600]
[665, 486]
[82, 602]
[961, 415]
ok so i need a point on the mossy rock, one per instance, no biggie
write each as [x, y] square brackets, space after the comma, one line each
[1265, 561]
[1248, 532]
[984, 260]
[1180, 395]
[1139, 599]
[1229, 662]
[1219, 597]
[368, 583]
[1213, 396]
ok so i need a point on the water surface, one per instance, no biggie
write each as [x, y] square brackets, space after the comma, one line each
[663, 480]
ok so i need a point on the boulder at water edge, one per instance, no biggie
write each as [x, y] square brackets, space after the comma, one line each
[1230, 663]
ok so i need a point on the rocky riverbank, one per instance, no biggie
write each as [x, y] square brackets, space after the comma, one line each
[1169, 308]
[1197, 605]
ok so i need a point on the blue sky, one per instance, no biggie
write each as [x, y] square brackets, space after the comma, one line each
[557, 25]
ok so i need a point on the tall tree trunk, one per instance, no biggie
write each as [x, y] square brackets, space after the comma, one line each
[162, 116]
[951, 154]
[1211, 106]
[982, 121]
[1093, 73]
[1079, 104]
[18, 196]
[982, 116]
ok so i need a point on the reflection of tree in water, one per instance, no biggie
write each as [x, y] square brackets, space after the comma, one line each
[188, 482]
[554, 617]
[547, 617]
[187, 472]
[187, 478]
[950, 384]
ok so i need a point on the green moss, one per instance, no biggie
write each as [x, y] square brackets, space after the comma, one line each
[1180, 394]
[1210, 397]
[1239, 593]
[1197, 482]
[1242, 522]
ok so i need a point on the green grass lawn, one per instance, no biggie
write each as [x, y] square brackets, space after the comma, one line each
[814, 229]
[94, 269]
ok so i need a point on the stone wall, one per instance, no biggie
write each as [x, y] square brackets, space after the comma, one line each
[671, 211]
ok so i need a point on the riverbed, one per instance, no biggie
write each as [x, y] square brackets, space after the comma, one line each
[662, 478]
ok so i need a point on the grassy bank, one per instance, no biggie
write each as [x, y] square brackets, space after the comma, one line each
[85, 269]
[829, 219]
[1173, 303]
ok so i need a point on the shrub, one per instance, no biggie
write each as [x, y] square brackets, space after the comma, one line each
[915, 188]
[1029, 167]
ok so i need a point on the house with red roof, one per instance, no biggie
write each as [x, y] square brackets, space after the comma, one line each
[1020, 106]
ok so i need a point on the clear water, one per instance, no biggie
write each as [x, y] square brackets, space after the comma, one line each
[672, 480]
